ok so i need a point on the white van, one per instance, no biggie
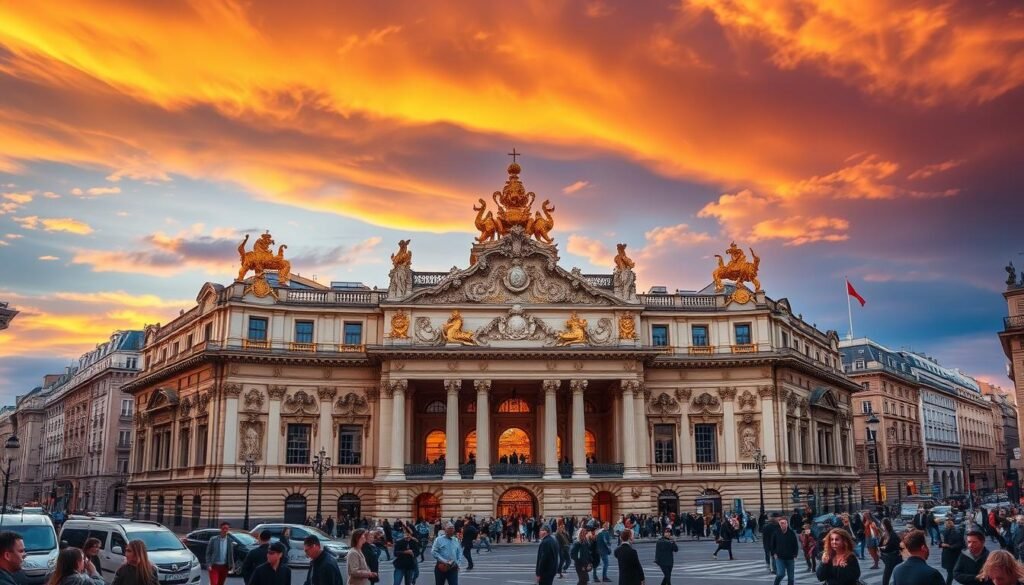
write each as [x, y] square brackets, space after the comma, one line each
[175, 564]
[40, 543]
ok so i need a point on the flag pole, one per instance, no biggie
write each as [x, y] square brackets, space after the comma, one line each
[849, 309]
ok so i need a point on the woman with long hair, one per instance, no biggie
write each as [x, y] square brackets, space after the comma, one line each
[71, 569]
[1001, 569]
[839, 564]
[136, 570]
[359, 572]
[871, 535]
[580, 554]
[889, 550]
[286, 540]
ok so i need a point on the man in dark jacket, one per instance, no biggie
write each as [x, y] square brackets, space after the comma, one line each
[12, 555]
[371, 552]
[604, 550]
[273, 571]
[631, 572]
[256, 556]
[547, 558]
[971, 559]
[469, 534]
[920, 520]
[323, 567]
[915, 570]
[785, 547]
[768, 531]
[952, 545]
[664, 555]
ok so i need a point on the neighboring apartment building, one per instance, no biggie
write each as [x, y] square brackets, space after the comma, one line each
[1012, 335]
[1005, 407]
[6, 314]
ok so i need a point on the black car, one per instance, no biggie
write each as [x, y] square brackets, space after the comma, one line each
[244, 542]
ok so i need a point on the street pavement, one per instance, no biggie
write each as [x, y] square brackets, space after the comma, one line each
[514, 564]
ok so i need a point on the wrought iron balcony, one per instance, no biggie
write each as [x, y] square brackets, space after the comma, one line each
[1014, 322]
[517, 470]
[467, 470]
[424, 470]
[605, 469]
[565, 470]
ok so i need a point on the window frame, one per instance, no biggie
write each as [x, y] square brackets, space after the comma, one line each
[705, 432]
[293, 452]
[707, 335]
[345, 332]
[654, 338]
[736, 333]
[302, 337]
[249, 329]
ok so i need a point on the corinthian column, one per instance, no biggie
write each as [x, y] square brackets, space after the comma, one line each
[483, 430]
[451, 431]
[629, 389]
[398, 388]
[644, 443]
[550, 430]
[579, 430]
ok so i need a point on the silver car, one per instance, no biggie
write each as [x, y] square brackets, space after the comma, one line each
[296, 554]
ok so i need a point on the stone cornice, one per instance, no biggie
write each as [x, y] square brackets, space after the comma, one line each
[786, 358]
[514, 353]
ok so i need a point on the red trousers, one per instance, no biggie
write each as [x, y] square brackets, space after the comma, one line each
[218, 574]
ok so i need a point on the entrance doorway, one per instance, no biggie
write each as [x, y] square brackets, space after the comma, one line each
[668, 503]
[427, 507]
[602, 506]
[349, 507]
[709, 503]
[517, 502]
[295, 509]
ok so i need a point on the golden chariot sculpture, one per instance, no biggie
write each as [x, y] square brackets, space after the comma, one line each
[739, 270]
[514, 207]
[260, 259]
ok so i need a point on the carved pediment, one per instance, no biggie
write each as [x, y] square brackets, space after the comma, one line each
[162, 398]
[706, 403]
[300, 403]
[663, 404]
[351, 404]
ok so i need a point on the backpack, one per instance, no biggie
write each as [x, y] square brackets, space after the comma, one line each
[422, 530]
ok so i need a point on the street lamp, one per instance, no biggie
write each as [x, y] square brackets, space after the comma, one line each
[11, 446]
[970, 491]
[761, 461]
[248, 470]
[872, 425]
[321, 463]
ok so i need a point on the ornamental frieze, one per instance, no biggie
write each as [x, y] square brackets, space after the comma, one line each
[300, 403]
[253, 400]
[746, 400]
[663, 404]
[250, 435]
[705, 402]
[351, 404]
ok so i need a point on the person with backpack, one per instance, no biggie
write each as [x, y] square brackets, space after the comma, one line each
[580, 555]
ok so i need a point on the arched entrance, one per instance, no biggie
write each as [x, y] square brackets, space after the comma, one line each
[710, 502]
[469, 452]
[295, 509]
[668, 502]
[427, 507]
[602, 506]
[517, 502]
[513, 441]
[349, 507]
[434, 446]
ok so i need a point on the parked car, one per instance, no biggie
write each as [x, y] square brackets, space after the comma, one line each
[296, 554]
[40, 544]
[943, 512]
[197, 540]
[175, 564]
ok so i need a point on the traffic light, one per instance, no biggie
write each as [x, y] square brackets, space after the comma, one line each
[883, 496]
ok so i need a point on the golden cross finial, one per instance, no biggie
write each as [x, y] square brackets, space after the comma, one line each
[514, 154]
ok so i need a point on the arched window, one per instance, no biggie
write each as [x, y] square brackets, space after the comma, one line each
[590, 444]
[470, 447]
[514, 406]
[349, 506]
[436, 407]
[434, 446]
[602, 506]
[514, 441]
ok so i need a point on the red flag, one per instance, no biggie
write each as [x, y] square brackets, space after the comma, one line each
[853, 293]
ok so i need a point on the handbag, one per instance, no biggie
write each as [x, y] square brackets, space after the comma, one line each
[443, 567]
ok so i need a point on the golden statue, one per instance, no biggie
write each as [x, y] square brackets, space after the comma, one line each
[575, 331]
[403, 257]
[627, 327]
[738, 269]
[622, 261]
[487, 225]
[400, 277]
[453, 333]
[261, 258]
[623, 277]
[539, 226]
[400, 325]
[514, 208]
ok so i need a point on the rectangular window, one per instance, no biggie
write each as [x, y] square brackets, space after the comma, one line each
[188, 341]
[664, 444]
[700, 335]
[865, 407]
[350, 445]
[201, 445]
[208, 332]
[140, 453]
[126, 406]
[257, 329]
[353, 333]
[303, 332]
[132, 363]
[124, 438]
[659, 335]
[297, 446]
[742, 333]
[705, 442]
[122, 465]
[174, 349]
[785, 339]
[184, 436]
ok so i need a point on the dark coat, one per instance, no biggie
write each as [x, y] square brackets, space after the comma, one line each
[264, 574]
[7, 578]
[129, 575]
[915, 571]
[582, 554]
[955, 539]
[785, 544]
[664, 552]
[768, 532]
[604, 542]
[836, 575]
[404, 561]
[631, 572]
[966, 569]
[469, 534]
[547, 557]
[324, 570]
[371, 555]
[920, 521]
[253, 559]
[212, 546]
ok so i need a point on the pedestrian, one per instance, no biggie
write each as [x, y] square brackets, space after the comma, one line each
[12, 556]
[286, 540]
[256, 557]
[220, 554]
[329, 526]
[369, 547]
[359, 571]
[379, 539]
[563, 549]
[136, 570]
[952, 546]
[274, 571]
[972, 558]
[631, 572]
[1002, 569]
[724, 539]
[447, 551]
[548, 561]
[91, 548]
[915, 570]
[406, 550]
[664, 555]
[809, 544]
[871, 535]
[785, 547]
[71, 569]
[469, 534]
[768, 531]
[839, 564]
[581, 555]
[889, 550]
[323, 567]
[604, 551]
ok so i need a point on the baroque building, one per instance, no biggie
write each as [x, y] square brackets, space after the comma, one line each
[1012, 335]
[6, 314]
[509, 386]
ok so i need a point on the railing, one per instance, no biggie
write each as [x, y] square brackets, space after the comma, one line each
[701, 350]
[351, 347]
[517, 470]
[677, 301]
[427, 278]
[748, 466]
[599, 280]
[666, 468]
[255, 344]
[299, 346]
[293, 469]
[565, 470]
[1014, 322]
[605, 469]
[307, 296]
[709, 466]
[348, 470]
[424, 470]
[325, 297]
[744, 348]
[467, 470]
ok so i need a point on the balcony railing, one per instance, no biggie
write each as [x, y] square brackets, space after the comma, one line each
[605, 469]
[709, 466]
[348, 470]
[517, 470]
[467, 470]
[255, 344]
[565, 470]
[666, 468]
[701, 350]
[299, 469]
[299, 346]
[424, 470]
[351, 347]
[744, 348]
[1014, 322]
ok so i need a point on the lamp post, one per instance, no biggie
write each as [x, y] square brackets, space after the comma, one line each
[11, 446]
[761, 461]
[249, 469]
[321, 463]
[872, 426]
[970, 491]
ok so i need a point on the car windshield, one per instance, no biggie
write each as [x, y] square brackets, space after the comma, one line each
[244, 538]
[38, 538]
[319, 533]
[156, 539]
[941, 509]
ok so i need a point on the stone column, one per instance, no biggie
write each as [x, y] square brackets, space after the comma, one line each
[327, 434]
[483, 429]
[629, 389]
[768, 423]
[685, 440]
[276, 393]
[579, 430]
[397, 459]
[231, 392]
[550, 429]
[384, 412]
[643, 454]
[731, 455]
[451, 431]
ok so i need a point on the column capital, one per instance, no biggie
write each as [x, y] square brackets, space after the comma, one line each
[452, 386]
[392, 386]
[482, 386]
[766, 391]
[327, 392]
[629, 386]
[578, 386]
[551, 386]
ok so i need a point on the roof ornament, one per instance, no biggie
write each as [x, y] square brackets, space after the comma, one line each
[259, 259]
[623, 277]
[739, 270]
[1011, 274]
[400, 277]
[514, 210]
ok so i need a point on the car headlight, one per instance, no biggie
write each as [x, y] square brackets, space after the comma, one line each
[51, 563]
[193, 563]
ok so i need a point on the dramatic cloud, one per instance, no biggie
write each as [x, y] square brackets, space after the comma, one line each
[54, 224]
[96, 191]
[570, 189]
